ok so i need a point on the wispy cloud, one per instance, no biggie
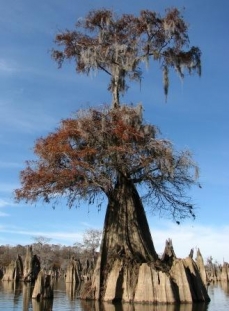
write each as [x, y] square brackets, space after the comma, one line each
[26, 121]
[87, 225]
[63, 237]
[8, 66]
[4, 203]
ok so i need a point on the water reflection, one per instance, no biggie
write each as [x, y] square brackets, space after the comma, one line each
[17, 296]
[95, 306]
[13, 290]
[225, 287]
[72, 290]
[11, 287]
[26, 294]
[43, 305]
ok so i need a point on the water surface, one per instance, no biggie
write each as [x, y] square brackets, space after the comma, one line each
[17, 297]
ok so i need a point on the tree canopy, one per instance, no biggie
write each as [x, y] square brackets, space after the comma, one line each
[85, 155]
[118, 45]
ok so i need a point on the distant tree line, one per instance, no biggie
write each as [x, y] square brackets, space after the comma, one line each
[54, 256]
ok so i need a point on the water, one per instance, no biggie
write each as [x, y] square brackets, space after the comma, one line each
[17, 297]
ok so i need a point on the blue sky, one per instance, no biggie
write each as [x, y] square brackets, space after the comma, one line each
[35, 96]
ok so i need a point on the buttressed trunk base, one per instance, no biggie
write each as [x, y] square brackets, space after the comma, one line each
[128, 268]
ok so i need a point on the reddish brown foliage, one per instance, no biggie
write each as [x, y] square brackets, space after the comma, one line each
[85, 156]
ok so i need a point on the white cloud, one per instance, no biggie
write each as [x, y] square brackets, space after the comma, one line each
[212, 241]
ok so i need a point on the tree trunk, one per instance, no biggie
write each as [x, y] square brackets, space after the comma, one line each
[126, 232]
[126, 241]
[116, 86]
[115, 99]
[128, 268]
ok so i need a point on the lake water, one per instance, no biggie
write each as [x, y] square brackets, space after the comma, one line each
[17, 297]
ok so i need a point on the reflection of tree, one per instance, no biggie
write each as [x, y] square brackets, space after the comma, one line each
[72, 290]
[88, 305]
[12, 288]
[225, 287]
[8, 287]
[17, 292]
[27, 293]
[43, 305]
[99, 306]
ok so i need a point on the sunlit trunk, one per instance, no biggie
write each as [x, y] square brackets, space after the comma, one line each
[128, 268]
[126, 230]
[126, 242]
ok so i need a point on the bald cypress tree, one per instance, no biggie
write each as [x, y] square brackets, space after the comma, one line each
[109, 152]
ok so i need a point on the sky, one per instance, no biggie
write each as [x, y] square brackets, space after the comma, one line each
[35, 95]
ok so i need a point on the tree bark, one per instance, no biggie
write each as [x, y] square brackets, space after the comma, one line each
[126, 231]
[128, 268]
[116, 86]
[126, 240]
